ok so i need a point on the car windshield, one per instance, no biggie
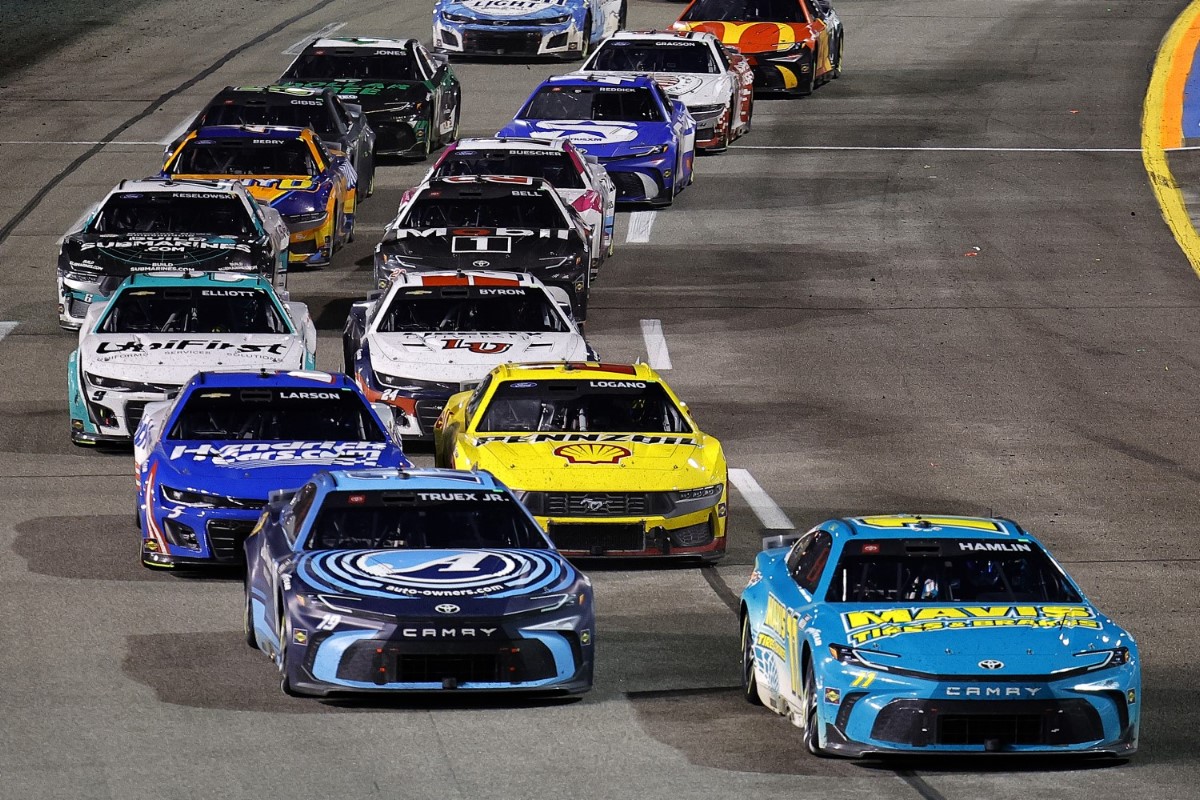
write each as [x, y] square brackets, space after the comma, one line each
[598, 406]
[295, 113]
[599, 102]
[192, 309]
[448, 519]
[530, 210]
[268, 414]
[471, 309]
[245, 157]
[619, 55]
[324, 65]
[554, 166]
[745, 11]
[212, 214]
[924, 571]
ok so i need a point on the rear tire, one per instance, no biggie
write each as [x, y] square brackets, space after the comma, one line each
[749, 679]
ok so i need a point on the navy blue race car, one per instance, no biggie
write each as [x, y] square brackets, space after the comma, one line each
[414, 580]
[645, 139]
[912, 634]
[207, 461]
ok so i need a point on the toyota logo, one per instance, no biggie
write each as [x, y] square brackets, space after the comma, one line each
[991, 663]
[447, 608]
[593, 505]
[481, 263]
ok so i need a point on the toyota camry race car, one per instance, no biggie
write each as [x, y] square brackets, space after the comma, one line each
[715, 84]
[314, 188]
[911, 634]
[159, 329]
[579, 179]
[207, 462]
[605, 456]
[793, 46]
[411, 97]
[414, 580]
[511, 223]
[156, 224]
[562, 28]
[643, 138]
[437, 333]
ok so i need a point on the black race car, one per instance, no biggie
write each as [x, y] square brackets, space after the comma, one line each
[411, 98]
[470, 222]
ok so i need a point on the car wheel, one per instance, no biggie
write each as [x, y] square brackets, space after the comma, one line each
[812, 740]
[749, 680]
[248, 622]
[453, 137]
[837, 62]
[585, 47]
[623, 17]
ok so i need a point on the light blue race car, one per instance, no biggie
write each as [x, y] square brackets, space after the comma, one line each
[914, 634]
[645, 139]
[566, 29]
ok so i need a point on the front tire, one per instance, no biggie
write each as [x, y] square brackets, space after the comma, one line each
[585, 47]
[812, 739]
[248, 622]
[749, 678]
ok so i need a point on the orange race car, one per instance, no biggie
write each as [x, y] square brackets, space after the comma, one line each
[793, 46]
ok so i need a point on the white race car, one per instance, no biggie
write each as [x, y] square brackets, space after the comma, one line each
[434, 334]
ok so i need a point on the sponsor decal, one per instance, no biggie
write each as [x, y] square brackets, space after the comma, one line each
[300, 636]
[447, 633]
[833, 696]
[481, 233]
[460, 497]
[617, 384]
[595, 438]
[991, 663]
[305, 102]
[995, 547]
[190, 345]
[866, 626]
[863, 679]
[912, 522]
[450, 574]
[166, 244]
[585, 637]
[785, 624]
[523, 385]
[480, 348]
[584, 132]
[992, 691]
[509, 292]
[269, 454]
[283, 184]
[481, 263]
[768, 642]
[229, 293]
[447, 608]
[511, 8]
[290, 395]
[589, 453]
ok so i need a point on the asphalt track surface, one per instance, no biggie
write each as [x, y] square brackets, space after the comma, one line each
[903, 325]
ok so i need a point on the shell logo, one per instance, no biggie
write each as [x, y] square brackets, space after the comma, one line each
[590, 453]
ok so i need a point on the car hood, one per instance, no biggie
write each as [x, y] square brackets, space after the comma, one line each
[174, 358]
[509, 248]
[600, 139]
[254, 469]
[371, 95]
[458, 357]
[121, 254]
[761, 37]
[693, 88]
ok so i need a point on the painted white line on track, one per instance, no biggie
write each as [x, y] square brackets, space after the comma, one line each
[640, 223]
[656, 344]
[369, 228]
[84, 144]
[768, 512]
[295, 49]
[942, 149]
[6, 328]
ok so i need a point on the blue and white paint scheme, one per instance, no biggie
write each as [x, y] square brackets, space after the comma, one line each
[566, 29]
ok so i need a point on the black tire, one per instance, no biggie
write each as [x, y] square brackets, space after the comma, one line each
[248, 622]
[585, 47]
[812, 741]
[837, 63]
[339, 224]
[749, 681]
[623, 17]
[348, 360]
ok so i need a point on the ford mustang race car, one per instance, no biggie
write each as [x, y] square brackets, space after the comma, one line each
[716, 84]
[159, 329]
[156, 224]
[314, 188]
[562, 28]
[579, 179]
[643, 138]
[414, 580]
[605, 456]
[411, 97]
[207, 462]
[793, 46]
[511, 223]
[912, 634]
[434, 334]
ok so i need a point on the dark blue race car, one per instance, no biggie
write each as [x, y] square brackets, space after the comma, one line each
[207, 461]
[414, 580]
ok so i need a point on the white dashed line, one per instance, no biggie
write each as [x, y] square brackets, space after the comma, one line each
[768, 512]
[6, 328]
[640, 223]
[295, 49]
[656, 345]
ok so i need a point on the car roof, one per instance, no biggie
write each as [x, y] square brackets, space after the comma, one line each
[485, 185]
[299, 379]
[429, 478]
[364, 42]
[272, 91]
[909, 526]
[667, 35]
[466, 278]
[557, 144]
[250, 132]
[574, 370]
[239, 280]
[198, 186]
[591, 79]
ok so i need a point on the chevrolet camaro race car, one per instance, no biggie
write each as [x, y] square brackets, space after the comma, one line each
[435, 334]
[411, 97]
[156, 224]
[508, 222]
[643, 138]
[715, 83]
[207, 462]
[561, 28]
[579, 179]
[159, 329]
[313, 188]
[605, 456]
[911, 634]
[414, 580]
[793, 46]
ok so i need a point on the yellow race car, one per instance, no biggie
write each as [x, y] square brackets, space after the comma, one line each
[605, 456]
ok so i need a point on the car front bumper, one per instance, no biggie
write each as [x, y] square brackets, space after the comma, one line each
[560, 40]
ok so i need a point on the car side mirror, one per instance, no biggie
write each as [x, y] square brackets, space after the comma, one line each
[781, 540]
[387, 415]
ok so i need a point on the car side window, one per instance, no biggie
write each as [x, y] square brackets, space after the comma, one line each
[722, 58]
[476, 399]
[665, 99]
[811, 6]
[427, 66]
[339, 111]
[806, 565]
[301, 505]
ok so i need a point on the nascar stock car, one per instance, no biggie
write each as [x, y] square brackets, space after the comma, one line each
[313, 188]
[434, 334]
[579, 179]
[507, 222]
[414, 580]
[207, 463]
[156, 224]
[161, 328]
[341, 125]
[793, 46]
[911, 634]
[714, 82]
[411, 97]
[643, 138]
[605, 456]
[561, 28]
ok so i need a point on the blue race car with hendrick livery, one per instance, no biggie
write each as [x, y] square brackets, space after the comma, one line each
[414, 580]
[207, 461]
[645, 139]
[911, 634]
[559, 28]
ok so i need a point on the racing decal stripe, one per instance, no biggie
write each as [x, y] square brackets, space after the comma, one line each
[465, 280]
[151, 526]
